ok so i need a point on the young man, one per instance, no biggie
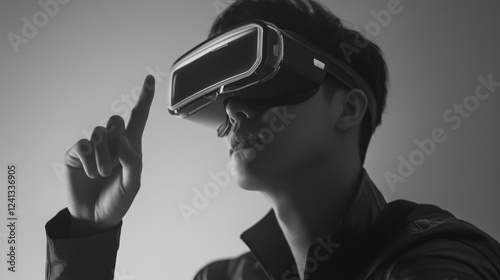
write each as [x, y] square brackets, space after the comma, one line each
[328, 220]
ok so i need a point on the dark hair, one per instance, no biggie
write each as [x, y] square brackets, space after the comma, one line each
[318, 25]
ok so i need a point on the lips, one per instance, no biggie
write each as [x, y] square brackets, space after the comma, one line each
[240, 146]
[243, 141]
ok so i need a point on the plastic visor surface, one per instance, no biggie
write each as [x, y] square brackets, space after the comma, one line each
[281, 66]
[235, 55]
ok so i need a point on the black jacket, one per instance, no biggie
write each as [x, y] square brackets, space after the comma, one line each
[377, 241]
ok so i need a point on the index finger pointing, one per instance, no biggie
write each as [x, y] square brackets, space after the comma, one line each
[140, 112]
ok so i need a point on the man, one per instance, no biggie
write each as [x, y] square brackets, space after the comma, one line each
[328, 220]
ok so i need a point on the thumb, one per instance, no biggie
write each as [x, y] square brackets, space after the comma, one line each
[131, 162]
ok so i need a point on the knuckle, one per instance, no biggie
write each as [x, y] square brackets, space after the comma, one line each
[84, 147]
[116, 118]
[114, 122]
[98, 135]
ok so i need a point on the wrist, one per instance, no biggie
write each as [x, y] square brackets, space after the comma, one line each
[81, 228]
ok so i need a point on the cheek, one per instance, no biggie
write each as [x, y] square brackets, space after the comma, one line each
[306, 133]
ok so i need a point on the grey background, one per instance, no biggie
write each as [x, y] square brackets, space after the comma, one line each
[79, 68]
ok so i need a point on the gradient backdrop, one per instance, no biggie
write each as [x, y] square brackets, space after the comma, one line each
[87, 59]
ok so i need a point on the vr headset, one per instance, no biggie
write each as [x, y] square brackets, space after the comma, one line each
[255, 61]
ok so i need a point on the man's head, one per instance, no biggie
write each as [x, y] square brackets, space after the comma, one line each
[339, 113]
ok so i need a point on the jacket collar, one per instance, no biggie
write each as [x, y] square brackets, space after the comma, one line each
[266, 241]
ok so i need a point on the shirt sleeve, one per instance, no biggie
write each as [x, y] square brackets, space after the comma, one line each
[87, 257]
[444, 259]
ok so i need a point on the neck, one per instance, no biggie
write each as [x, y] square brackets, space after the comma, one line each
[313, 204]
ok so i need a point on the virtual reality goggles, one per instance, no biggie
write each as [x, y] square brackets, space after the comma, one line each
[255, 61]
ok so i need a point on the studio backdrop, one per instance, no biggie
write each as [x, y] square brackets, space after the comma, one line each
[67, 66]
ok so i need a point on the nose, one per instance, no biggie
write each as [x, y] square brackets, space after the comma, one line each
[239, 109]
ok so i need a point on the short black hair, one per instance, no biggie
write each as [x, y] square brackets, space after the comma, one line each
[325, 30]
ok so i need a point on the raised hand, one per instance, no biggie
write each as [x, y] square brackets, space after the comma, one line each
[104, 172]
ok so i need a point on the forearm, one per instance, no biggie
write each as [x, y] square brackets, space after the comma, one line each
[89, 253]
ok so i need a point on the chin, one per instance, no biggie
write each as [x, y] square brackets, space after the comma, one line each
[248, 187]
[252, 176]
[242, 177]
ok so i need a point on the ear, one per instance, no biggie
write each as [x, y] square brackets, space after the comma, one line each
[353, 107]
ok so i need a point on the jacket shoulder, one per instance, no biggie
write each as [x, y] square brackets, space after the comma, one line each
[231, 268]
[424, 231]
[426, 220]
[419, 222]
